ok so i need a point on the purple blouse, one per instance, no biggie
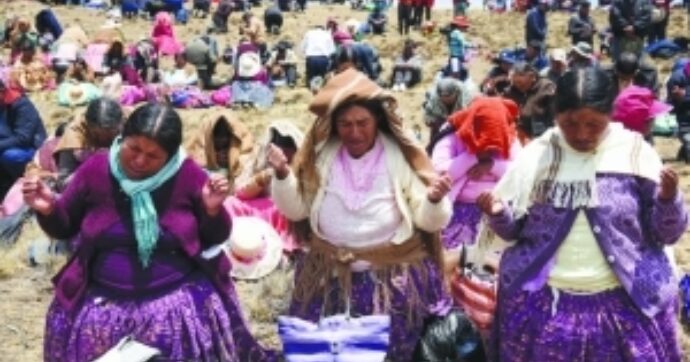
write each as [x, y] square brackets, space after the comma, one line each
[117, 269]
[631, 225]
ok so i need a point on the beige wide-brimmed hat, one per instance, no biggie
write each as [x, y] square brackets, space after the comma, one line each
[255, 249]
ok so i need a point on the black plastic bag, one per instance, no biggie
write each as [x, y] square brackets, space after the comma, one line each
[452, 338]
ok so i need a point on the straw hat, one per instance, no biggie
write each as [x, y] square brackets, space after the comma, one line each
[255, 249]
[249, 65]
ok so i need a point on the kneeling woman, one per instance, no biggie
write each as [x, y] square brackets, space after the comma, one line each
[590, 209]
[144, 214]
[373, 205]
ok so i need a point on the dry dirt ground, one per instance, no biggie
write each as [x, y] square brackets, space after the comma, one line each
[25, 291]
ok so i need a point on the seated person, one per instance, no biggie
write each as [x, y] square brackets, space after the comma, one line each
[21, 133]
[498, 79]
[202, 53]
[222, 145]
[362, 55]
[19, 30]
[282, 64]
[252, 196]
[273, 20]
[88, 133]
[48, 27]
[407, 70]
[536, 98]
[629, 69]
[250, 83]
[221, 15]
[182, 75]
[201, 8]
[581, 56]
[377, 21]
[67, 49]
[79, 72]
[558, 65]
[30, 71]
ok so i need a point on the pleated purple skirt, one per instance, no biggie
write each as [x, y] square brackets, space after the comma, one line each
[606, 326]
[189, 323]
[404, 332]
[462, 228]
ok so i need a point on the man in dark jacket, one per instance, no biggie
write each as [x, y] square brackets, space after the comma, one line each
[21, 134]
[536, 26]
[537, 100]
[678, 90]
[581, 27]
[630, 23]
[630, 70]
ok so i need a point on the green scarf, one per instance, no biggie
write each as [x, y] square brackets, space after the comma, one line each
[144, 213]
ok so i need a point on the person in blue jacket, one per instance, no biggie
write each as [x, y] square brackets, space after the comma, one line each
[678, 91]
[536, 26]
[21, 134]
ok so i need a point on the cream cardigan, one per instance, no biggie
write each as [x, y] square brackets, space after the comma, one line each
[410, 194]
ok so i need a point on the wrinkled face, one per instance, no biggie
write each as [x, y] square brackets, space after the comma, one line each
[523, 81]
[357, 129]
[583, 128]
[101, 137]
[141, 157]
[448, 98]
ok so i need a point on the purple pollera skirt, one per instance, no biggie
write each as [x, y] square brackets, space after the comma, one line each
[606, 326]
[405, 332]
[189, 323]
[462, 228]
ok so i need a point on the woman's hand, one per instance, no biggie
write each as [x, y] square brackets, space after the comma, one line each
[38, 195]
[278, 161]
[439, 188]
[488, 204]
[669, 184]
[214, 193]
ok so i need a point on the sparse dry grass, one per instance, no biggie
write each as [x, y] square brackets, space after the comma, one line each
[25, 292]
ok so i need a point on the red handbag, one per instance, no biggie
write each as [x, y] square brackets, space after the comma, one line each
[474, 289]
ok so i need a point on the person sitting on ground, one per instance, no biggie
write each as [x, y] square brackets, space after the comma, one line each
[250, 85]
[201, 8]
[371, 207]
[637, 108]
[534, 54]
[30, 71]
[182, 75]
[21, 133]
[448, 96]
[221, 145]
[80, 72]
[558, 65]
[252, 28]
[202, 52]
[407, 69]
[67, 49]
[163, 35]
[145, 214]
[581, 26]
[536, 98]
[273, 20]
[282, 64]
[497, 81]
[628, 70]
[221, 15]
[366, 59]
[678, 95]
[586, 234]
[19, 32]
[253, 192]
[377, 21]
[581, 56]
[87, 134]
[48, 27]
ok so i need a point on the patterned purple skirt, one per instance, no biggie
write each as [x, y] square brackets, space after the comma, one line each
[462, 228]
[606, 326]
[190, 323]
[404, 332]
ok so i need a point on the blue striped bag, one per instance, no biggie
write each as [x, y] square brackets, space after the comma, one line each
[338, 338]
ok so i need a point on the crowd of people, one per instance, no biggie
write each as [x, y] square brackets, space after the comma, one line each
[536, 222]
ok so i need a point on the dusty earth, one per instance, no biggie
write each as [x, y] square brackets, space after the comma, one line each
[25, 291]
